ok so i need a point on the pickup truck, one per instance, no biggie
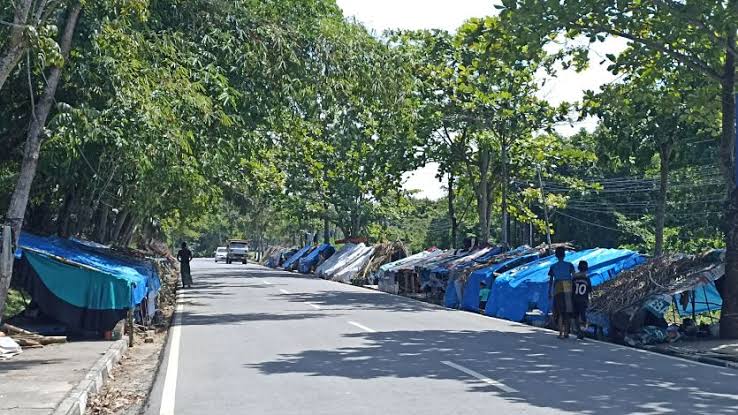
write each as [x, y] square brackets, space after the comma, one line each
[237, 250]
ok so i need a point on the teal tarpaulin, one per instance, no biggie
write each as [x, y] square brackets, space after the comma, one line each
[81, 286]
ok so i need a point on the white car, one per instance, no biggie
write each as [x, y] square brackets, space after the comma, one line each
[221, 254]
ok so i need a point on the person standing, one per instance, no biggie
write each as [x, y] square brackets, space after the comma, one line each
[184, 256]
[580, 298]
[560, 289]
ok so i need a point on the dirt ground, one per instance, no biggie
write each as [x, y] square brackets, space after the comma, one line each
[128, 388]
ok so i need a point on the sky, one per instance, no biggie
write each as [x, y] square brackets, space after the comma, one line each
[380, 15]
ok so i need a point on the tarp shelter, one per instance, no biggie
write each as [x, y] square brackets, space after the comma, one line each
[292, 261]
[387, 274]
[516, 291]
[470, 300]
[311, 260]
[353, 265]
[452, 272]
[336, 260]
[84, 286]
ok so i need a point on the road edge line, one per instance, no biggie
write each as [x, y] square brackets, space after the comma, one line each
[169, 388]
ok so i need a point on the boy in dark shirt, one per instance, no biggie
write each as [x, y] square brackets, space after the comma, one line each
[580, 297]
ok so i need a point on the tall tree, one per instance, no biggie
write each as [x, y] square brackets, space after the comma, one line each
[698, 35]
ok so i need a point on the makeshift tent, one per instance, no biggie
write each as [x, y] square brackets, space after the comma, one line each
[514, 259]
[86, 287]
[521, 289]
[336, 261]
[291, 262]
[387, 274]
[453, 277]
[353, 265]
[383, 253]
[309, 262]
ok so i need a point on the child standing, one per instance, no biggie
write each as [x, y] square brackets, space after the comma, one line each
[580, 297]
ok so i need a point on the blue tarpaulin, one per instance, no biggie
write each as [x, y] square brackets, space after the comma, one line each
[516, 291]
[470, 302]
[454, 287]
[309, 261]
[139, 275]
[292, 261]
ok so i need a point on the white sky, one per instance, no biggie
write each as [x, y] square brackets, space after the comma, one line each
[381, 15]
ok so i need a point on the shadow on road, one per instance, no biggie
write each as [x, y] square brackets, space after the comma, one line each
[546, 371]
[195, 319]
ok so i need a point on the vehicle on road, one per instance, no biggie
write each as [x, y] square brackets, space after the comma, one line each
[237, 250]
[221, 254]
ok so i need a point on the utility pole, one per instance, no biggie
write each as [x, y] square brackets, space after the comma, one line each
[545, 206]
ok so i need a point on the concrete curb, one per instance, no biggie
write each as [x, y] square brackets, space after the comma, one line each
[76, 401]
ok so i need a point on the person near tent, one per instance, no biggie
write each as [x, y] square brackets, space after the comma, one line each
[483, 296]
[560, 289]
[184, 256]
[580, 297]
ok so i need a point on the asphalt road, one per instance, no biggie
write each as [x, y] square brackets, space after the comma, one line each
[255, 341]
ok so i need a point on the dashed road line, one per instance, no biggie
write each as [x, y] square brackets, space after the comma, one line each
[266, 282]
[485, 379]
[284, 291]
[315, 306]
[363, 327]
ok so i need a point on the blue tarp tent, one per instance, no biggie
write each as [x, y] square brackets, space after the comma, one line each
[310, 260]
[85, 286]
[292, 261]
[515, 291]
[451, 296]
[470, 302]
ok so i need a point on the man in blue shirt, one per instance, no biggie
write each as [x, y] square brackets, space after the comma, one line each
[560, 289]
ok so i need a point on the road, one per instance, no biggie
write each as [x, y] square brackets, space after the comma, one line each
[255, 341]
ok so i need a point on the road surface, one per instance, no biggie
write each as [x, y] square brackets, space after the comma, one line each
[255, 341]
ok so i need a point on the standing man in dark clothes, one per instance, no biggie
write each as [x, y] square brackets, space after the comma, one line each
[560, 288]
[580, 297]
[184, 256]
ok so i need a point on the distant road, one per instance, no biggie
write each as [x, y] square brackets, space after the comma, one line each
[256, 341]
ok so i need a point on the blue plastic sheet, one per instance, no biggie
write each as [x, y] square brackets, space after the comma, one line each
[292, 261]
[470, 302]
[516, 291]
[310, 260]
[139, 274]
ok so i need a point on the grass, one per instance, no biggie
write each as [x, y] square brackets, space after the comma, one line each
[15, 304]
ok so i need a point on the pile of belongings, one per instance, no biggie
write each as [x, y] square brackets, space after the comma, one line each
[641, 296]
[8, 347]
[275, 255]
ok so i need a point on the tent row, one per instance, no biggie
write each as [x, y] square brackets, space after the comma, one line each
[514, 284]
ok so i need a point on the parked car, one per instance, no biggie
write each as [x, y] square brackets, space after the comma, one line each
[238, 250]
[221, 254]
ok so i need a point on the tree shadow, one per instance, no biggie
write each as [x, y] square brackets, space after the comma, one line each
[581, 377]
[195, 319]
[17, 363]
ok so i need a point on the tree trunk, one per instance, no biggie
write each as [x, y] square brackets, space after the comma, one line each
[19, 200]
[101, 229]
[483, 195]
[505, 179]
[16, 43]
[665, 154]
[326, 225]
[120, 219]
[452, 210]
[729, 285]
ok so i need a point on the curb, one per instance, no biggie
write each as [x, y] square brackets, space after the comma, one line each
[76, 401]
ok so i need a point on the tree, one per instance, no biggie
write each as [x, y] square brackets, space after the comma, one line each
[647, 116]
[698, 36]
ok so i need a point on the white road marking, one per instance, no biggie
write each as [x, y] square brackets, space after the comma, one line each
[170, 380]
[266, 282]
[481, 377]
[363, 327]
[315, 306]
[284, 291]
